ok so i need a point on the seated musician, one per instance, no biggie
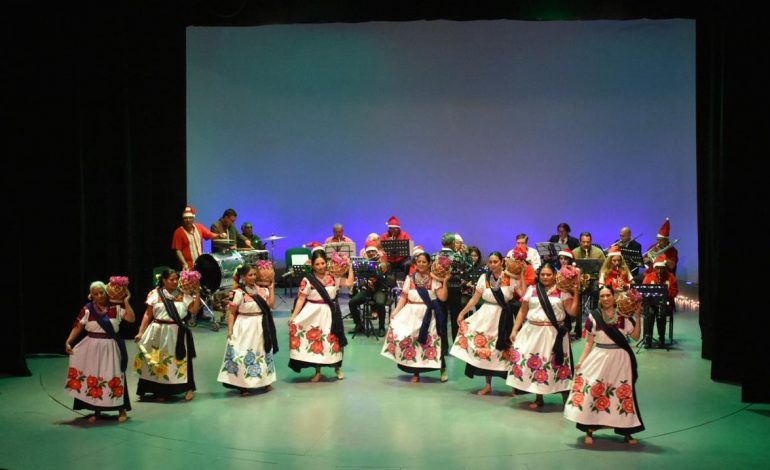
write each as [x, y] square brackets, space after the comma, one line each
[338, 235]
[663, 246]
[247, 230]
[614, 272]
[659, 275]
[399, 263]
[373, 287]
[533, 257]
[372, 237]
[226, 225]
[562, 237]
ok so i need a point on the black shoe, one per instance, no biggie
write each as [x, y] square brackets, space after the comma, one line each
[355, 331]
[661, 344]
[648, 343]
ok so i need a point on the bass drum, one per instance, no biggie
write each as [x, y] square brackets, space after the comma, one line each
[217, 270]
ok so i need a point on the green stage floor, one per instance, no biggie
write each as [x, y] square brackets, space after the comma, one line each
[376, 418]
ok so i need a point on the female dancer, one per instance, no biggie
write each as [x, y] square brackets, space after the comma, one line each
[541, 351]
[412, 340]
[483, 340]
[606, 374]
[166, 348]
[316, 335]
[96, 377]
[251, 339]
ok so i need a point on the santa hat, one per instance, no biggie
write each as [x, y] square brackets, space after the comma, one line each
[417, 250]
[664, 229]
[660, 261]
[393, 222]
[614, 251]
[189, 211]
[313, 246]
[371, 245]
[567, 252]
[458, 238]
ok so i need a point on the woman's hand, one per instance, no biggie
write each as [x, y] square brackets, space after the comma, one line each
[577, 367]
[513, 336]
[138, 337]
[67, 348]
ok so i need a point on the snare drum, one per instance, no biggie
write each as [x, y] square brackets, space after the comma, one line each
[217, 269]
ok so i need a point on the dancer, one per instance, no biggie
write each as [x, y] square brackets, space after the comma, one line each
[604, 389]
[96, 377]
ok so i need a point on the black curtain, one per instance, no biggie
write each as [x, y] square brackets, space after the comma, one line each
[98, 121]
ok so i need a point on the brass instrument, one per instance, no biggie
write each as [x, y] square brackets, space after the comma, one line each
[652, 253]
[585, 280]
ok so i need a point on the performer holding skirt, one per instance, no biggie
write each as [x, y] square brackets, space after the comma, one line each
[412, 340]
[604, 389]
[483, 341]
[251, 340]
[166, 348]
[541, 353]
[316, 334]
[96, 377]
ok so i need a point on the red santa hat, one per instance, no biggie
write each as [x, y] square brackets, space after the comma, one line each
[189, 211]
[371, 245]
[393, 222]
[664, 229]
[313, 246]
[417, 250]
[660, 261]
[614, 251]
[567, 252]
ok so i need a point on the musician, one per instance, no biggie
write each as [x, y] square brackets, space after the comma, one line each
[614, 272]
[247, 232]
[338, 235]
[587, 250]
[475, 270]
[394, 232]
[187, 239]
[626, 242]
[451, 307]
[661, 246]
[533, 257]
[226, 225]
[372, 237]
[562, 237]
[374, 288]
[660, 274]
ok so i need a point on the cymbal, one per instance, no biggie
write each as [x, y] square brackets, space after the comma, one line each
[273, 238]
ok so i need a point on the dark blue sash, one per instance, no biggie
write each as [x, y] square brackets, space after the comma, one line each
[268, 324]
[432, 309]
[183, 335]
[561, 331]
[337, 327]
[105, 323]
[505, 323]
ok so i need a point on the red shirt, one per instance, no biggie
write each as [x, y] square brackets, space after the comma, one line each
[180, 241]
[651, 277]
[401, 236]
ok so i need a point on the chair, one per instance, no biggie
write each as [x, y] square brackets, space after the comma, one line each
[294, 257]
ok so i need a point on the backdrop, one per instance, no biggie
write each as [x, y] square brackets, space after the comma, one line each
[489, 128]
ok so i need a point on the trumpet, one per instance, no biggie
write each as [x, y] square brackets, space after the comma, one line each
[585, 279]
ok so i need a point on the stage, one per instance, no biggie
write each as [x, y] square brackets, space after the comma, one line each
[376, 418]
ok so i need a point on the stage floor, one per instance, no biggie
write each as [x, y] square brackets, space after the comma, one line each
[376, 418]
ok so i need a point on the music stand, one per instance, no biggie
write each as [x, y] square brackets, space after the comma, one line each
[633, 257]
[345, 248]
[654, 298]
[550, 249]
[589, 266]
[396, 249]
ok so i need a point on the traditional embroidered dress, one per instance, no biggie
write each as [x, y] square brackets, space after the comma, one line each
[162, 371]
[603, 391]
[402, 344]
[535, 368]
[94, 378]
[311, 340]
[477, 341]
[246, 363]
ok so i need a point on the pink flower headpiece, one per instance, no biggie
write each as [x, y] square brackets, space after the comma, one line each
[520, 254]
[568, 272]
[192, 276]
[264, 264]
[634, 295]
[444, 261]
[119, 281]
[339, 259]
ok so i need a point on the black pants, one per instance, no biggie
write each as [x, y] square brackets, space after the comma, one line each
[588, 302]
[361, 297]
[450, 309]
[657, 315]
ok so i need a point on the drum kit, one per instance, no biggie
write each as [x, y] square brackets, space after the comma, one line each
[217, 269]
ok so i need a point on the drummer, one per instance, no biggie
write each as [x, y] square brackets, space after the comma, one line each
[226, 225]
[247, 235]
